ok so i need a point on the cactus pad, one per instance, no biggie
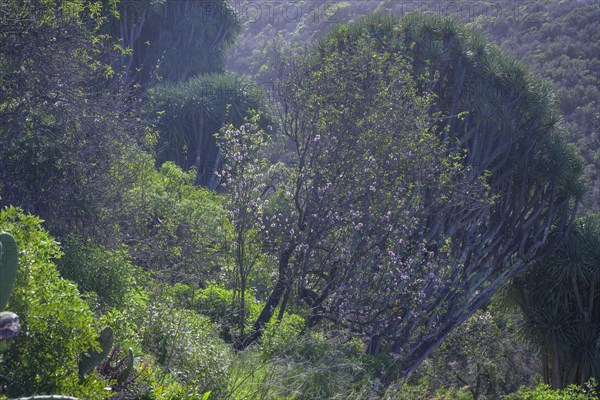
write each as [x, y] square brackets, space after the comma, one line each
[8, 267]
[124, 375]
[90, 359]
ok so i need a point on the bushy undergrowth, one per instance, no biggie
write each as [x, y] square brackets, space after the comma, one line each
[57, 324]
[106, 276]
[178, 231]
[186, 346]
[177, 334]
[590, 391]
[299, 363]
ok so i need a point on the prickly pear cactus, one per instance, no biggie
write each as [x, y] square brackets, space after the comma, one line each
[122, 378]
[90, 359]
[9, 321]
[8, 267]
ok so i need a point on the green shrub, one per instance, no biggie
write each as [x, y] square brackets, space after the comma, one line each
[152, 382]
[283, 337]
[250, 377]
[178, 231]
[57, 325]
[590, 391]
[107, 273]
[423, 391]
[310, 364]
[185, 345]
[484, 355]
[217, 303]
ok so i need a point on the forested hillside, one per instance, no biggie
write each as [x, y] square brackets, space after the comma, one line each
[558, 39]
[211, 200]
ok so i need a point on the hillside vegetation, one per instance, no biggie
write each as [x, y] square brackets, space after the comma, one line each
[205, 200]
[558, 39]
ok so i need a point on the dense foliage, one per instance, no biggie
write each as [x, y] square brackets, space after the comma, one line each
[49, 307]
[66, 134]
[185, 233]
[559, 39]
[561, 304]
[417, 221]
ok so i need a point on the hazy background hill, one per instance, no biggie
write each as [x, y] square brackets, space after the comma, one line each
[560, 40]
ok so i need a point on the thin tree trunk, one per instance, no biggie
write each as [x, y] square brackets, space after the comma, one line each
[286, 297]
[241, 260]
[557, 381]
[273, 300]
[546, 369]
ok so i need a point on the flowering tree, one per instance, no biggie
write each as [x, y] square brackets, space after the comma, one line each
[363, 168]
[246, 178]
[423, 169]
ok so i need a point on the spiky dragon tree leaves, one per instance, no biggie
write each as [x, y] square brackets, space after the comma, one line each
[190, 113]
[173, 40]
[560, 299]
